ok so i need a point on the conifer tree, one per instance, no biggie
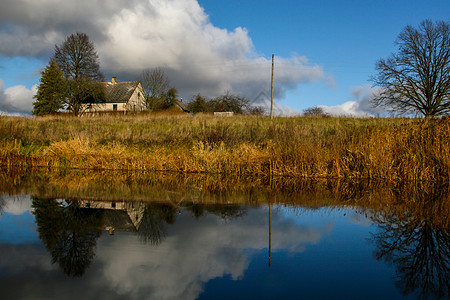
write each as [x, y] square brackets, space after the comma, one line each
[51, 91]
[198, 104]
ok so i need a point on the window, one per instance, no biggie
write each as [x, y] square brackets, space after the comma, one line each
[114, 107]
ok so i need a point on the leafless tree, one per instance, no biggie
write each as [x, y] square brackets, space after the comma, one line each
[416, 79]
[315, 111]
[77, 58]
[78, 61]
[155, 84]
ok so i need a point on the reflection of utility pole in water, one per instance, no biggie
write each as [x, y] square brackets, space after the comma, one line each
[270, 233]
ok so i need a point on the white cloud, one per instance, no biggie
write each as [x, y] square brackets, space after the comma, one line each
[16, 100]
[134, 35]
[361, 106]
[263, 101]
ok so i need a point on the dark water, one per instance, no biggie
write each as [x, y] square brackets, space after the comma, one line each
[62, 248]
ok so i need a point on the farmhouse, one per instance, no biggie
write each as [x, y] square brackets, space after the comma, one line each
[117, 215]
[124, 96]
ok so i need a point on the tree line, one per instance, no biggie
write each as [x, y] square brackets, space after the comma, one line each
[414, 80]
[71, 80]
[160, 96]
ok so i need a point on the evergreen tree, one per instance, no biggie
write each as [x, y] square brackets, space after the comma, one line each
[198, 104]
[51, 91]
[166, 101]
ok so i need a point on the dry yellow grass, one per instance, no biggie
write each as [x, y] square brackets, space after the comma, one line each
[393, 149]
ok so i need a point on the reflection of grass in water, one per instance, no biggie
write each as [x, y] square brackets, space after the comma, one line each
[396, 149]
[427, 200]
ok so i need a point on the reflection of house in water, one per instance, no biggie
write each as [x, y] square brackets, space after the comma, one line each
[118, 215]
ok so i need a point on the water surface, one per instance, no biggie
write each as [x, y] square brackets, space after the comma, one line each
[180, 245]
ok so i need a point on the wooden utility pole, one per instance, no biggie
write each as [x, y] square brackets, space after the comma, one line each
[271, 90]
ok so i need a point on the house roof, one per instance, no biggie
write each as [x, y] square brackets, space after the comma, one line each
[181, 105]
[118, 219]
[119, 92]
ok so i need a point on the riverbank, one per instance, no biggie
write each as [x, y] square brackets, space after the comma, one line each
[392, 149]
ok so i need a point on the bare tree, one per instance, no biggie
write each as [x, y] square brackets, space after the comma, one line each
[315, 111]
[77, 58]
[78, 61]
[229, 102]
[416, 79]
[155, 84]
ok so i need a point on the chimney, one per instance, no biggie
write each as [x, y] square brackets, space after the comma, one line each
[114, 80]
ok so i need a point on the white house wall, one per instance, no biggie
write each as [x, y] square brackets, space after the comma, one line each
[95, 107]
[135, 103]
[137, 100]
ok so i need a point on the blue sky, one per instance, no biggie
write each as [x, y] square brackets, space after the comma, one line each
[346, 38]
[325, 50]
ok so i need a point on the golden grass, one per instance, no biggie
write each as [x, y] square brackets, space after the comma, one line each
[393, 149]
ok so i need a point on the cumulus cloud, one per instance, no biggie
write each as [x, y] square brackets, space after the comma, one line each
[262, 100]
[134, 35]
[31, 28]
[361, 106]
[16, 100]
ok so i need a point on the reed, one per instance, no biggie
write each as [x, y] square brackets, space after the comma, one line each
[392, 149]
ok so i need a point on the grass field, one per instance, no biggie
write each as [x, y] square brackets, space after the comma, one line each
[393, 149]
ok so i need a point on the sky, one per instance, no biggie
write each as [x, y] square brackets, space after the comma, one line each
[325, 51]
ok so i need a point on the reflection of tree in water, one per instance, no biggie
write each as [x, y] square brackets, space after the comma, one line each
[67, 232]
[225, 211]
[2, 205]
[419, 250]
[153, 226]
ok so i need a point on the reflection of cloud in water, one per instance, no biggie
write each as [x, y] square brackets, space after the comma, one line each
[198, 251]
[17, 224]
[31, 275]
[17, 204]
[359, 219]
[194, 252]
[17, 258]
